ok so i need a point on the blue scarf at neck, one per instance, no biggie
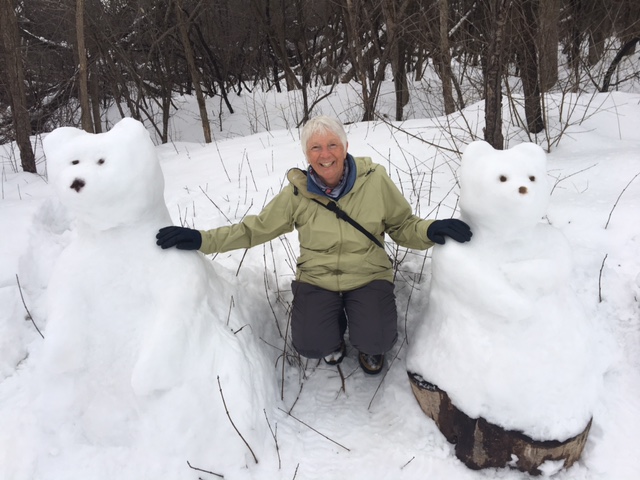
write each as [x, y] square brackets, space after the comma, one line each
[316, 185]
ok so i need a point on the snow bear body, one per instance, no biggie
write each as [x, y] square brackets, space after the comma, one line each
[130, 325]
[504, 334]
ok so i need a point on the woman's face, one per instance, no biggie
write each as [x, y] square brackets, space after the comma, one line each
[326, 154]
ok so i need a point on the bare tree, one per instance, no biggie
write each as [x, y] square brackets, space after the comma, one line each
[547, 40]
[193, 69]
[83, 71]
[15, 79]
[496, 13]
[524, 35]
[444, 58]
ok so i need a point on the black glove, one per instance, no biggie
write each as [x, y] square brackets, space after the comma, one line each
[179, 237]
[450, 227]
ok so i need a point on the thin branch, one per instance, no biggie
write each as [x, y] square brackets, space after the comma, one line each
[231, 305]
[241, 261]
[266, 292]
[297, 398]
[618, 199]
[343, 387]
[25, 307]
[233, 424]
[558, 180]
[205, 471]
[310, 427]
[416, 137]
[275, 438]
[600, 279]
[215, 205]
[412, 459]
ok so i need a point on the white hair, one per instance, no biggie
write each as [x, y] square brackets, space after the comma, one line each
[323, 124]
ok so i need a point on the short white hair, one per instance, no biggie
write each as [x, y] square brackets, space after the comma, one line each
[324, 124]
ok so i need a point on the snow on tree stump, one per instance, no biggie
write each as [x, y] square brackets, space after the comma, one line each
[480, 444]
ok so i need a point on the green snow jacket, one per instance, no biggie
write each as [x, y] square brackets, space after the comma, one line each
[333, 254]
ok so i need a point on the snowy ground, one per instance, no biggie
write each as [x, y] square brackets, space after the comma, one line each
[357, 427]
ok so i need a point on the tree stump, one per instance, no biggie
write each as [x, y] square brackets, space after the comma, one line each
[480, 444]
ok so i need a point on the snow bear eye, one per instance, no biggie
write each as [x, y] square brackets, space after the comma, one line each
[532, 178]
[503, 178]
[101, 161]
[75, 162]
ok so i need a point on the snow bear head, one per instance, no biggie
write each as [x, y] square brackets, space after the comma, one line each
[503, 191]
[108, 179]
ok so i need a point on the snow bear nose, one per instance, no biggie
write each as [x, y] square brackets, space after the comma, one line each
[522, 190]
[77, 184]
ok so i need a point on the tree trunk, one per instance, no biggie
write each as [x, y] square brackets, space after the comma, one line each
[630, 46]
[481, 444]
[400, 81]
[355, 49]
[497, 15]
[393, 17]
[446, 75]
[527, 60]
[83, 71]
[94, 85]
[575, 39]
[630, 29]
[548, 38]
[193, 70]
[15, 80]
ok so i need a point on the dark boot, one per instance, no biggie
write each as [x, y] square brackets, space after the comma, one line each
[371, 364]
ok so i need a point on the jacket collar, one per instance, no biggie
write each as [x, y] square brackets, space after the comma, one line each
[343, 189]
[363, 166]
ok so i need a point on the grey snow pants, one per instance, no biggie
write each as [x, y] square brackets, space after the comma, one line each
[320, 318]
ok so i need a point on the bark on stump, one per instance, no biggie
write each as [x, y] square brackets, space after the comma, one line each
[480, 444]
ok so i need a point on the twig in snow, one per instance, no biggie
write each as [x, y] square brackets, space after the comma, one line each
[231, 305]
[275, 438]
[310, 427]
[241, 261]
[558, 180]
[600, 279]
[297, 398]
[618, 199]
[233, 424]
[412, 459]
[25, 307]
[266, 292]
[246, 155]
[241, 328]
[295, 474]
[343, 388]
[205, 471]
[224, 167]
[215, 205]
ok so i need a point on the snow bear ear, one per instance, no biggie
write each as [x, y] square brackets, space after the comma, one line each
[129, 127]
[532, 153]
[477, 158]
[477, 149]
[56, 141]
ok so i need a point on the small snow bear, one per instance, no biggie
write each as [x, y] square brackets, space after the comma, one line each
[504, 334]
[127, 320]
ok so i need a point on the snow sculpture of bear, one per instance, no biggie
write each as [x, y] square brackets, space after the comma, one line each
[133, 329]
[504, 335]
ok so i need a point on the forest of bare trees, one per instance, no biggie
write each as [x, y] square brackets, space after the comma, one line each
[66, 61]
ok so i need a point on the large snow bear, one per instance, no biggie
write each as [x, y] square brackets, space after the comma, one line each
[134, 331]
[504, 334]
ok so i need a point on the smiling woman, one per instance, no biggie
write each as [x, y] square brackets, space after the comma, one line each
[326, 151]
[344, 276]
